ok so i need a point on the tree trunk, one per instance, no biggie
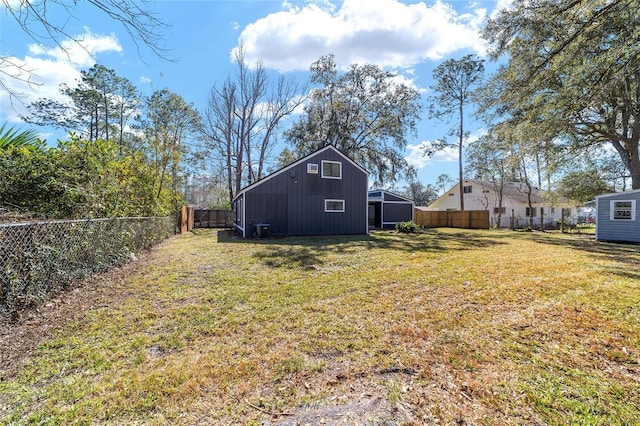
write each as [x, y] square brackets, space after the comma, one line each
[229, 175]
[634, 167]
[461, 138]
[106, 116]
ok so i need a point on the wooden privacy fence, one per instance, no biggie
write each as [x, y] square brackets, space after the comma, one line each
[467, 219]
[191, 218]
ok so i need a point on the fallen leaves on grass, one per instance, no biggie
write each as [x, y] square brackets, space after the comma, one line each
[482, 327]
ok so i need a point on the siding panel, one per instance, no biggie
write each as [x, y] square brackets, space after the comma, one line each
[293, 201]
[617, 230]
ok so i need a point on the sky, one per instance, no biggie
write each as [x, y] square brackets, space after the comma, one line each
[410, 38]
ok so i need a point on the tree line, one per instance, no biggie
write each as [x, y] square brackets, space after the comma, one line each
[125, 154]
[562, 113]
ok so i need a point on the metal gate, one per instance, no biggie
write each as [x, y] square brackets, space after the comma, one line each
[212, 219]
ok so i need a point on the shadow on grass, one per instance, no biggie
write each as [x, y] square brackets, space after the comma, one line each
[617, 252]
[311, 251]
[627, 254]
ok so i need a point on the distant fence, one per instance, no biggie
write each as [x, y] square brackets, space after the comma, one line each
[468, 219]
[40, 258]
[212, 219]
[200, 218]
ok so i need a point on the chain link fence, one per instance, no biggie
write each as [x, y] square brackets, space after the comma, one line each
[41, 258]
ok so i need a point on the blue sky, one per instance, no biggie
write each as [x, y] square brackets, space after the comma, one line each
[408, 37]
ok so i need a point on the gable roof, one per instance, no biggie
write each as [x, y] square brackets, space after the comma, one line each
[297, 162]
[384, 191]
[518, 191]
[615, 194]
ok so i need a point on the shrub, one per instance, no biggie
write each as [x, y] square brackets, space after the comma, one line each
[406, 227]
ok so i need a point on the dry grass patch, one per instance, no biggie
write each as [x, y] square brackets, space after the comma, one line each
[478, 327]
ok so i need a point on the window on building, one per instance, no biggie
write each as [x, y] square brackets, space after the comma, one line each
[312, 168]
[531, 212]
[331, 169]
[497, 210]
[451, 194]
[623, 210]
[467, 189]
[238, 210]
[334, 206]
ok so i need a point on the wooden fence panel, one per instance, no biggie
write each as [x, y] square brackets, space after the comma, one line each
[468, 219]
[186, 219]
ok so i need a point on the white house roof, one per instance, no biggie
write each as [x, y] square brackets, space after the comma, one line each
[516, 191]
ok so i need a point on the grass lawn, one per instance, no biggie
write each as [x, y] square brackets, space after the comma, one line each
[444, 327]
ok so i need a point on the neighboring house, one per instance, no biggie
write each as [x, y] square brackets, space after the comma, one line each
[386, 209]
[324, 193]
[618, 216]
[514, 211]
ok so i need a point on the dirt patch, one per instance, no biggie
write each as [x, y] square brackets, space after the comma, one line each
[374, 411]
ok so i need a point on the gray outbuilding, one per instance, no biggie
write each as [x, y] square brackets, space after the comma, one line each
[618, 217]
[324, 193]
[386, 209]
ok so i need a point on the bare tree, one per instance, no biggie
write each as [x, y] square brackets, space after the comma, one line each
[220, 132]
[242, 118]
[282, 101]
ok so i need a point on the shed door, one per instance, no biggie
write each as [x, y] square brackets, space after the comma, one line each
[375, 215]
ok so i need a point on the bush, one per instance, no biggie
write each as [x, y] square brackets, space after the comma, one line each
[406, 227]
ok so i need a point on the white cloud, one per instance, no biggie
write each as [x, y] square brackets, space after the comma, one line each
[80, 52]
[40, 73]
[383, 32]
[419, 160]
[501, 5]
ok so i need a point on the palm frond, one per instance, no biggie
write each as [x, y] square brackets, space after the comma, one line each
[12, 137]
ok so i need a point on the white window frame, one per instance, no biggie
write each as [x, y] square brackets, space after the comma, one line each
[467, 189]
[331, 162]
[327, 210]
[613, 209]
[312, 168]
